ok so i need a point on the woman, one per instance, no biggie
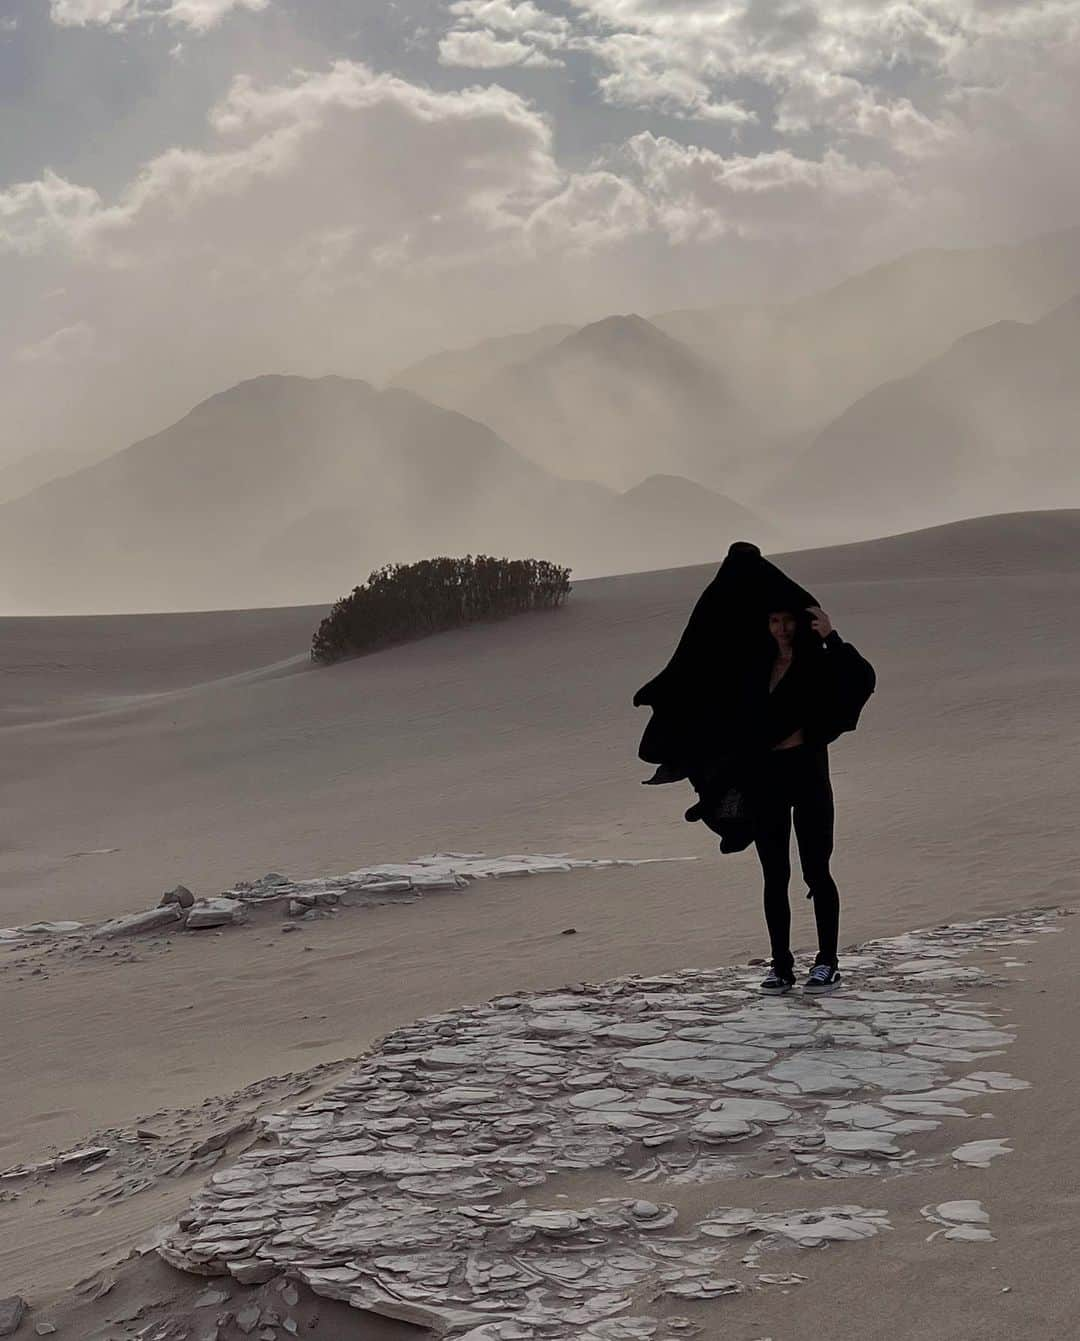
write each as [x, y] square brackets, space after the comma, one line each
[791, 782]
[758, 687]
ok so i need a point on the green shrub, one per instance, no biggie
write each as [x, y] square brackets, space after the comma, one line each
[404, 601]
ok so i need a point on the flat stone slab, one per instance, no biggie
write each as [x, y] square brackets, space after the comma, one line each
[213, 913]
[369, 885]
[965, 1221]
[980, 1153]
[153, 919]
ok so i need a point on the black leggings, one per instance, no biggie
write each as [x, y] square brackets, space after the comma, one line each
[796, 781]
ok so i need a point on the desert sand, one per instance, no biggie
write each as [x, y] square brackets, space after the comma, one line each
[144, 751]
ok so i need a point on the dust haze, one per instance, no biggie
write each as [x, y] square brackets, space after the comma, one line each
[733, 290]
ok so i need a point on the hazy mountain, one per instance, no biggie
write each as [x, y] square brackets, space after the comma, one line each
[31, 472]
[792, 367]
[684, 503]
[798, 365]
[287, 489]
[618, 400]
[452, 378]
[991, 424]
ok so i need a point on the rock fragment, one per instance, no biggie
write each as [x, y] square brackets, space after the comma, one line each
[248, 1318]
[12, 1312]
[965, 1221]
[220, 1139]
[980, 1153]
[181, 896]
[210, 1299]
[219, 912]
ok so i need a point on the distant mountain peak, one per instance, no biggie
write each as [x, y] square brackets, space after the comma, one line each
[617, 333]
[669, 486]
[272, 385]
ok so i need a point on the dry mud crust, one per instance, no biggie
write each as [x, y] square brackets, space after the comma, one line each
[428, 1184]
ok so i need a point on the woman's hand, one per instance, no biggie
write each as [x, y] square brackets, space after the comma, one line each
[820, 621]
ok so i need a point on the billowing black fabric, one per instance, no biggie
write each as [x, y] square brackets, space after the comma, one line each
[712, 713]
[705, 701]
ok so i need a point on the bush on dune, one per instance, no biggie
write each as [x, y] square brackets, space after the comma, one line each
[400, 602]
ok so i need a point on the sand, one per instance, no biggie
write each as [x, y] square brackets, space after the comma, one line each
[205, 749]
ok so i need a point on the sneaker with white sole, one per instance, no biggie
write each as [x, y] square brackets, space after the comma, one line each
[776, 984]
[823, 978]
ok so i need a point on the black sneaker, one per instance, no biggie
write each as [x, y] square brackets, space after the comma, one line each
[823, 978]
[776, 984]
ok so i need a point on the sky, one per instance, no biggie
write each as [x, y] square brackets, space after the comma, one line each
[197, 191]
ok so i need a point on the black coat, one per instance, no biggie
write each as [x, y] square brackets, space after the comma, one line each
[712, 717]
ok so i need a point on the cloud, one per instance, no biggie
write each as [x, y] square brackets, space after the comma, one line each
[490, 34]
[698, 195]
[204, 14]
[484, 51]
[593, 211]
[199, 15]
[895, 77]
[346, 150]
[49, 210]
[523, 19]
[77, 13]
[334, 221]
[646, 71]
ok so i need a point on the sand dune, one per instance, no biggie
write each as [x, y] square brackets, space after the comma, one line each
[207, 751]
[518, 734]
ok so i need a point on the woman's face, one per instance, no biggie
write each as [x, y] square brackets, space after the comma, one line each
[782, 626]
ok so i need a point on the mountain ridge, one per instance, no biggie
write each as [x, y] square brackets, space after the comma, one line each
[617, 400]
[991, 420]
[283, 488]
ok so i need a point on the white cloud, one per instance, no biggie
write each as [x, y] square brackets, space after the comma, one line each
[199, 15]
[523, 19]
[77, 13]
[895, 75]
[699, 196]
[332, 155]
[34, 214]
[643, 73]
[484, 51]
[204, 14]
[491, 34]
[594, 210]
